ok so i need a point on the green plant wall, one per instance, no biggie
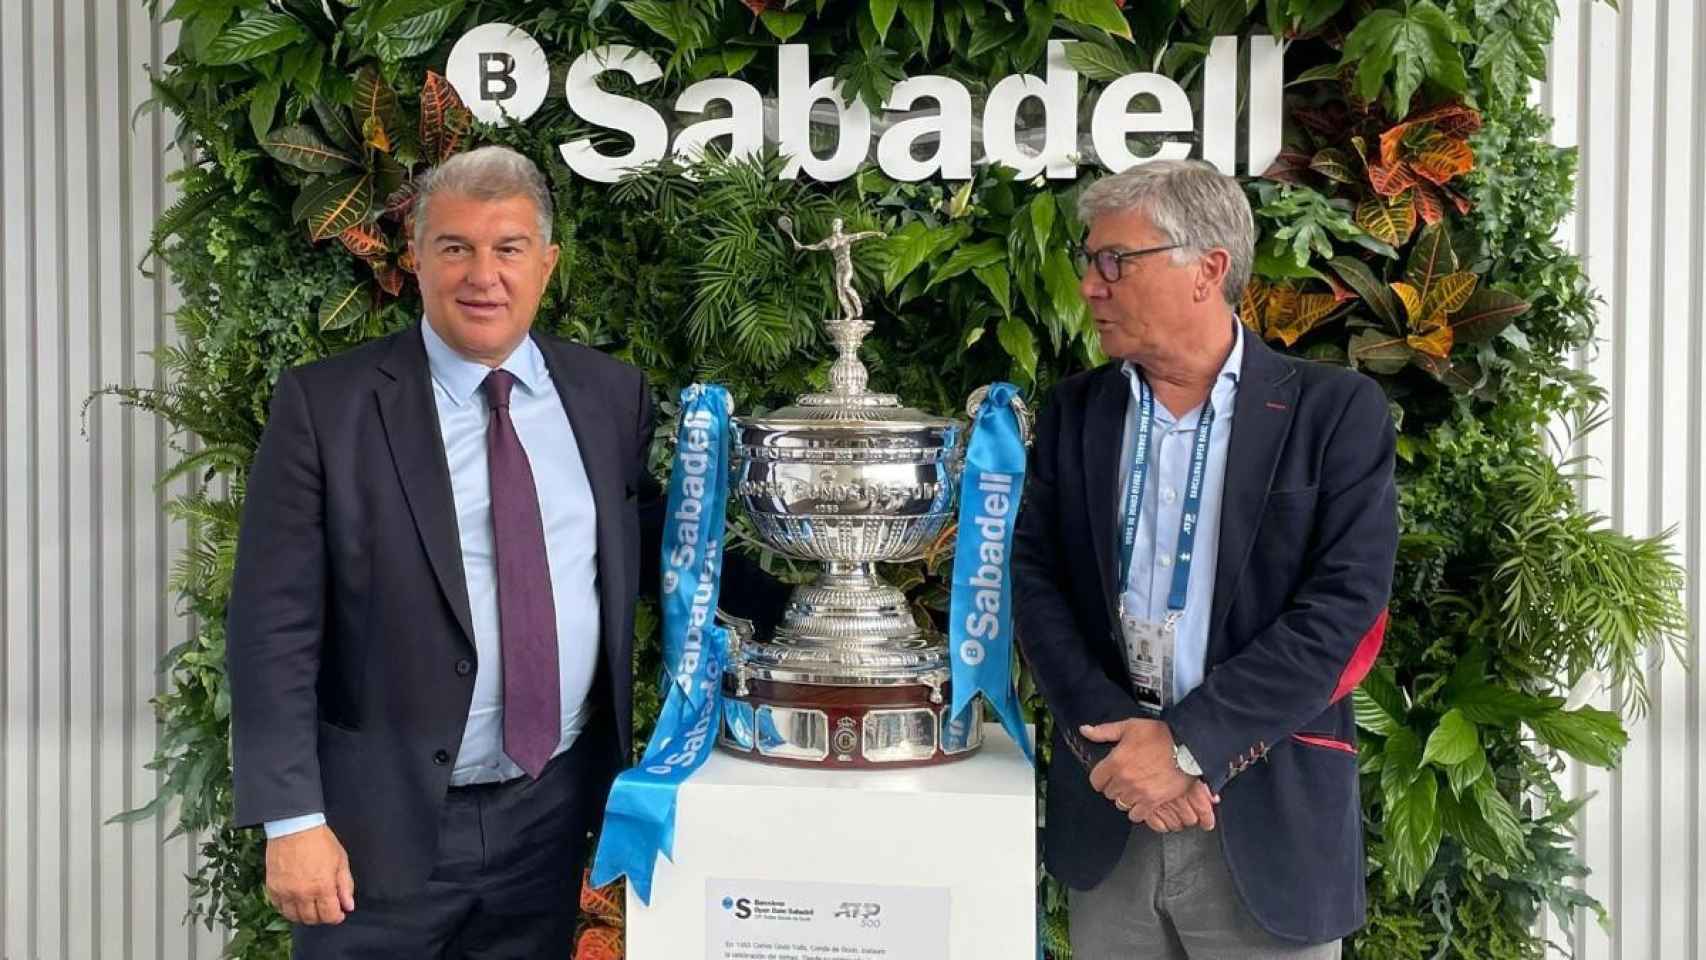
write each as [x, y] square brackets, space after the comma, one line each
[1406, 230]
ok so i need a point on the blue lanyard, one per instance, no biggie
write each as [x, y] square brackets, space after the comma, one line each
[1133, 506]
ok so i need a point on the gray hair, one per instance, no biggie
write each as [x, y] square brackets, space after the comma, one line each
[486, 173]
[1192, 204]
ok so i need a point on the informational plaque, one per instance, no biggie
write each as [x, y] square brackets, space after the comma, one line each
[782, 920]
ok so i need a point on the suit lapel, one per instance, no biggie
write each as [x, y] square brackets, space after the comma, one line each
[1104, 425]
[1267, 401]
[601, 454]
[410, 416]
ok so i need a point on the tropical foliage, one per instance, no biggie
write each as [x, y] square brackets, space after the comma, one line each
[1406, 230]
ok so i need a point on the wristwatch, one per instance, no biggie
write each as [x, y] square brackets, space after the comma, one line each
[1185, 762]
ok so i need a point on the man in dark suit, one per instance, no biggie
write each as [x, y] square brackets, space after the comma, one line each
[1202, 567]
[431, 623]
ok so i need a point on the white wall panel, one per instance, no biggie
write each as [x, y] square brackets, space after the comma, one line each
[84, 546]
[1627, 89]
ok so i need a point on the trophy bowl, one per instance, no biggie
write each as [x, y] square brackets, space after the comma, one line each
[848, 479]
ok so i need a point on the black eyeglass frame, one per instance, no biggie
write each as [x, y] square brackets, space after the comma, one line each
[1102, 258]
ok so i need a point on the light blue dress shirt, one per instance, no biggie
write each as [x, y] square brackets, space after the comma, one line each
[570, 521]
[1156, 546]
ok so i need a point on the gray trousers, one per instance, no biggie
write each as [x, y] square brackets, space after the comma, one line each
[1171, 898]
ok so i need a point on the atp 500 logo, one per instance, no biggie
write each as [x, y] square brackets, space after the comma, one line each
[863, 912]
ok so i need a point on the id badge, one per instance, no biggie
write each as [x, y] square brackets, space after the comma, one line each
[1149, 660]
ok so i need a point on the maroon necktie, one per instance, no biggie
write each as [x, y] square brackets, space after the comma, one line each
[527, 617]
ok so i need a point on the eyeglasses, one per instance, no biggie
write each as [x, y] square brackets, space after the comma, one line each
[1110, 262]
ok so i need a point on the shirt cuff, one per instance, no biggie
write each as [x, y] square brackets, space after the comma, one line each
[290, 825]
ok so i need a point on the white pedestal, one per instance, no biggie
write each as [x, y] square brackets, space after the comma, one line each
[812, 852]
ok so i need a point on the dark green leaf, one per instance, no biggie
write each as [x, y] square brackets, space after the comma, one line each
[1591, 735]
[781, 25]
[990, 33]
[1379, 351]
[1485, 314]
[1401, 764]
[1461, 775]
[1453, 741]
[995, 277]
[336, 125]
[1102, 14]
[966, 257]
[301, 147]
[1495, 705]
[334, 204]
[1020, 343]
[1413, 832]
[1430, 259]
[253, 37]
[921, 16]
[915, 243]
[1102, 63]
[1069, 315]
[882, 14]
[340, 307]
[1042, 218]
[1380, 706]
[1372, 289]
[264, 106]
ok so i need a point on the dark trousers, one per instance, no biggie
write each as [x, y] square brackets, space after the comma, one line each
[507, 882]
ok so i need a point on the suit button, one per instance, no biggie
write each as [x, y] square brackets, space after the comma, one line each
[464, 667]
[441, 757]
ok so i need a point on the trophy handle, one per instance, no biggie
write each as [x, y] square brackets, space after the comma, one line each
[741, 633]
[1024, 415]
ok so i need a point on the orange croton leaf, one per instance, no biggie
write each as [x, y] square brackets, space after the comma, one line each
[1377, 218]
[407, 260]
[1253, 302]
[390, 278]
[373, 130]
[1443, 158]
[1313, 308]
[1411, 298]
[364, 240]
[1389, 181]
[1280, 308]
[603, 903]
[1430, 204]
[1450, 120]
[1450, 292]
[599, 942]
[1435, 342]
[444, 118]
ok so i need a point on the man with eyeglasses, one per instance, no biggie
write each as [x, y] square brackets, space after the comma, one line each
[1241, 519]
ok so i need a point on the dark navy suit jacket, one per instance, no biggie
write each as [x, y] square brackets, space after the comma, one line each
[350, 645]
[1308, 534]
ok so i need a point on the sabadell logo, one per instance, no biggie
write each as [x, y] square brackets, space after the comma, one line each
[503, 76]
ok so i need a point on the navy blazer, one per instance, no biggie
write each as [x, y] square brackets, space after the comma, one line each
[350, 645]
[1308, 535]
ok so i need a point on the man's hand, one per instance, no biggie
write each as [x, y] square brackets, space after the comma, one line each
[1194, 809]
[1140, 774]
[308, 877]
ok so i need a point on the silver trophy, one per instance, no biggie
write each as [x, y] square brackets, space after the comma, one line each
[847, 478]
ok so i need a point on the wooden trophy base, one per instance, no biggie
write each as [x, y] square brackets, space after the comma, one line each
[845, 727]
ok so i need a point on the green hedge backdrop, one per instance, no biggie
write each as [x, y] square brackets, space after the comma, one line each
[1407, 229]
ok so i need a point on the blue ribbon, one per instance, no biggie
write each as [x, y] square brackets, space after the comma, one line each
[980, 612]
[639, 818]
[693, 534]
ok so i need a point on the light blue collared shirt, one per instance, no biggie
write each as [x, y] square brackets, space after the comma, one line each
[570, 521]
[1153, 555]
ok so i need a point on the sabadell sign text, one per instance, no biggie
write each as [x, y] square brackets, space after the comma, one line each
[502, 75]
